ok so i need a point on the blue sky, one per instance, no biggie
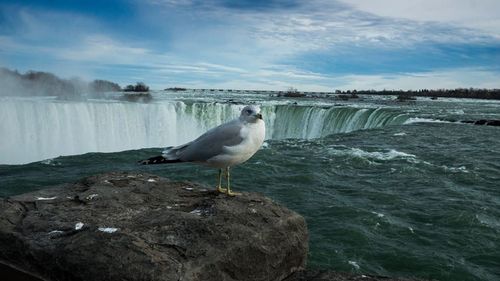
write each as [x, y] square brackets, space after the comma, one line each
[311, 45]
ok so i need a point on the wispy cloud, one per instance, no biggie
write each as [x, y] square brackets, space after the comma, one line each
[99, 48]
[481, 15]
[312, 44]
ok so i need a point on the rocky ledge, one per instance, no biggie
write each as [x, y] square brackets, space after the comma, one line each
[131, 226]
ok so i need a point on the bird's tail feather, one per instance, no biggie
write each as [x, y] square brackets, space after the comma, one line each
[158, 160]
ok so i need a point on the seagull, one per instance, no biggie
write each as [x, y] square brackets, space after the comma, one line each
[222, 147]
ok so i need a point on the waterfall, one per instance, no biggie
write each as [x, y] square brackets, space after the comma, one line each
[37, 129]
[308, 122]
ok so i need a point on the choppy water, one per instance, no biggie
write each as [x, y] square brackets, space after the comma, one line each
[386, 187]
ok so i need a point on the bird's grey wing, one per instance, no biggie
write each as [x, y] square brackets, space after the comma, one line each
[212, 142]
[173, 153]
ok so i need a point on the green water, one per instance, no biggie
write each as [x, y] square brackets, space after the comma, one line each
[403, 199]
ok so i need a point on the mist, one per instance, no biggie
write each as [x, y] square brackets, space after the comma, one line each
[37, 84]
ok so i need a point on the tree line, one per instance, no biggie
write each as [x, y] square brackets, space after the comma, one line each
[472, 93]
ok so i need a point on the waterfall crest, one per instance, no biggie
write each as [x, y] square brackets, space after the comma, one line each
[34, 130]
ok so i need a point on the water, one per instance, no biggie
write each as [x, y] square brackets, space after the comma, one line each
[46, 128]
[387, 188]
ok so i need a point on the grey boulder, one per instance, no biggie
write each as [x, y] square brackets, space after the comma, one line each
[132, 226]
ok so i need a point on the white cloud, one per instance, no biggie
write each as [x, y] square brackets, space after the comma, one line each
[171, 2]
[317, 26]
[269, 80]
[223, 67]
[477, 14]
[439, 79]
[37, 25]
[220, 47]
[100, 48]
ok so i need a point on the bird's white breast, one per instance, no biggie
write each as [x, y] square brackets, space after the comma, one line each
[253, 135]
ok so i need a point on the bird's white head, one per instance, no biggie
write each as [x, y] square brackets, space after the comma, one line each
[251, 113]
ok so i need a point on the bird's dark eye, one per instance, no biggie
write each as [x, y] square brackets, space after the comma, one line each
[249, 111]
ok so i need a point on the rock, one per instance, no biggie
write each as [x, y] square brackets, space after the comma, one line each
[406, 98]
[483, 122]
[294, 95]
[487, 122]
[9, 273]
[130, 226]
[347, 96]
[323, 275]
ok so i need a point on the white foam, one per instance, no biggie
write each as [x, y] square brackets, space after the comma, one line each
[489, 221]
[461, 169]
[378, 155]
[399, 134]
[423, 120]
[457, 111]
[78, 226]
[50, 162]
[46, 198]
[108, 229]
[151, 180]
[380, 215]
[56, 232]
[354, 264]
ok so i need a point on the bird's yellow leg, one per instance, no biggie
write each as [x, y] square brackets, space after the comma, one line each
[219, 187]
[229, 192]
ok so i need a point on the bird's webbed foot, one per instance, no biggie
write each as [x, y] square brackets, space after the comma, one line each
[230, 193]
[221, 189]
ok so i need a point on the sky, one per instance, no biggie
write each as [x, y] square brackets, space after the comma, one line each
[314, 45]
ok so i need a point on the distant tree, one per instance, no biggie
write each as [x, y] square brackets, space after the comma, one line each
[129, 88]
[177, 89]
[139, 87]
[471, 93]
[292, 93]
[104, 86]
